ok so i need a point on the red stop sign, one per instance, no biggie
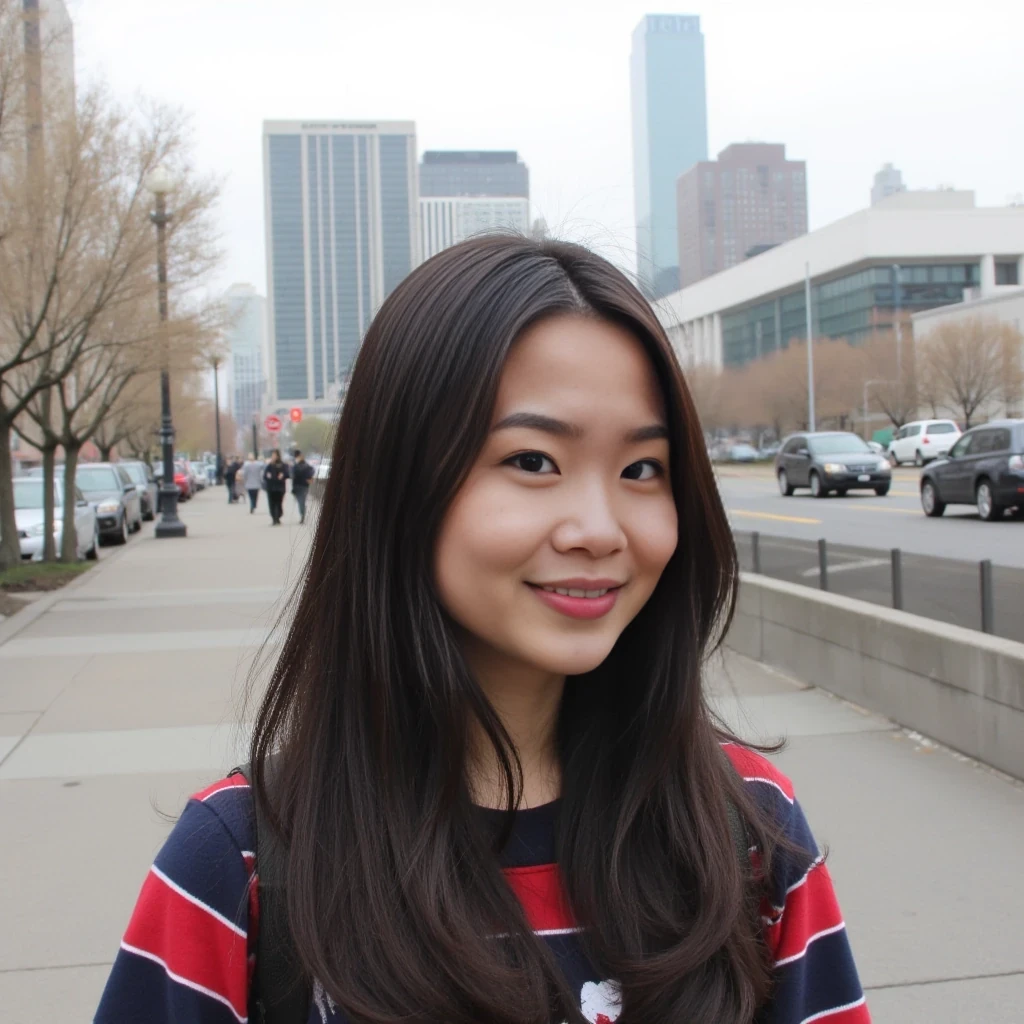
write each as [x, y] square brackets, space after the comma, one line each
[272, 423]
[296, 415]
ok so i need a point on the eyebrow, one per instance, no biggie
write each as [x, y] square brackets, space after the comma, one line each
[559, 428]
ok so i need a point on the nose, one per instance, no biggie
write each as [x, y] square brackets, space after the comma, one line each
[590, 524]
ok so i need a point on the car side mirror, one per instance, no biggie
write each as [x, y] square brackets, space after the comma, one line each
[803, 453]
[82, 503]
[129, 488]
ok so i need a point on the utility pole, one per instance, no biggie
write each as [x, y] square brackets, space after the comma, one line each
[810, 349]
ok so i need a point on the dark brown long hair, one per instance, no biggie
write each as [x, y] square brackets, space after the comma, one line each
[394, 892]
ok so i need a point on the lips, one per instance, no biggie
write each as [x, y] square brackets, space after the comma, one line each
[579, 598]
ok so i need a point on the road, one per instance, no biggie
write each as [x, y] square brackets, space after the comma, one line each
[941, 576]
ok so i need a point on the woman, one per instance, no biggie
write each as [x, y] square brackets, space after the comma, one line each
[496, 791]
[275, 480]
[252, 479]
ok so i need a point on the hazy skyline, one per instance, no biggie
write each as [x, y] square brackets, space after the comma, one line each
[920, 85]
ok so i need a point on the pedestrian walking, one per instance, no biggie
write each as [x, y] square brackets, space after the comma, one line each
[485, 783]
[231, 469]
[302, 474]
[252, 479]
[275, 480]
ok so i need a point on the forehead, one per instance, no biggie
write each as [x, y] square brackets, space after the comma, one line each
[580, 363]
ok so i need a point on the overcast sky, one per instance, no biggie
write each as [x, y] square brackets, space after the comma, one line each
[934, 86]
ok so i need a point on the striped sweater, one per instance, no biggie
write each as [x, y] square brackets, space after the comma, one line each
[187, 955]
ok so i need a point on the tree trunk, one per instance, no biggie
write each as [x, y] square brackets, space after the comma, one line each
[49, 519]
[10, 549]
[69, 536]
[104, 452]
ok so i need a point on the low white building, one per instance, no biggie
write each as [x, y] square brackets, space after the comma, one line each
[909, 253]
[447, 220]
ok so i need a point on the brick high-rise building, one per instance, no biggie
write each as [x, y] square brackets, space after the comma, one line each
[750, 199]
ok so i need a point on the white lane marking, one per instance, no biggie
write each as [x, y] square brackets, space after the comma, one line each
[864, 563]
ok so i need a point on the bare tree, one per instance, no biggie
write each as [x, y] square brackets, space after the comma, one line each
[86, 273]
[972, 366]
[897, 389]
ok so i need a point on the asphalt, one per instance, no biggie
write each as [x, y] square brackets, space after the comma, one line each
[941, 570]
[124, 694]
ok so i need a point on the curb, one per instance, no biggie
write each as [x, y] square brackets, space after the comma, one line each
[21, 620]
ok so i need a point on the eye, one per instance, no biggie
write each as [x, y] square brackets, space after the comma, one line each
[645, 469]
[532, 462]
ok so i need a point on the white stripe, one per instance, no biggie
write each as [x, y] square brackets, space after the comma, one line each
[183, 981]
[817, 862]
[835, 1009]
[225, 789]
[559, 931]
[199, 903]
[768, 782]
[814, 938]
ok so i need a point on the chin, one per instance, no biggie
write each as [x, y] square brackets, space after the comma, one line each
[571, 657]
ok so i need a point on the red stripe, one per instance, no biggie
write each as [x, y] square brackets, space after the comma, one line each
[810, 909]
[229, 783]
[193, 943]
[753, 766]
[540, 892]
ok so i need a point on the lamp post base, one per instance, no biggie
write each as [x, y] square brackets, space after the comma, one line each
[170, 525]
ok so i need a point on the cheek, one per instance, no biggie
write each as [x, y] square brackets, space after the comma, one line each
[654, 538]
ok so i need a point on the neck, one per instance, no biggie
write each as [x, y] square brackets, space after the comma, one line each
[527, 703]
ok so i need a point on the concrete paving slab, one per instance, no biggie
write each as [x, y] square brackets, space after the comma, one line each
[144, 621]
[131, 691]
[968, 1001]
[730, 674]
[32, 683]
[925, 852]
[172, 599]
[74, 755]
[80, 853]
[127, 643]
[12, 729]
[67, 994]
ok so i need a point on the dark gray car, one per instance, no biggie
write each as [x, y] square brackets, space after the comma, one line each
[145, 484]
[110, 491]
[834, 461]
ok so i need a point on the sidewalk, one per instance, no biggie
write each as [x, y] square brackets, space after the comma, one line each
[123, 696]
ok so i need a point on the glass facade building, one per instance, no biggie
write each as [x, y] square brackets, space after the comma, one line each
[852, 306]
[342, 232]
[670, 135]
[498, 173]
[246, 338]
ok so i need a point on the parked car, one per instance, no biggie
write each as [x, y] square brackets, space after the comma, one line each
[827, 462]
[145, 482]
[28, 514]
[769, 451]
[743, 453]
[985, 468]
[110, 491]
[922, 441]
[198, 471]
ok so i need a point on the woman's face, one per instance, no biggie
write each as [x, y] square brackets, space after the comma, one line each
[571, 493]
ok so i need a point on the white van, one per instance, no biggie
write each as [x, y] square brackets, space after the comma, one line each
[923, 440]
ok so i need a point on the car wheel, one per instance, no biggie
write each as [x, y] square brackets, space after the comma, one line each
[841, 492]
[986, 502]
[149, 515]
[918, 459]
[121, 537]
[893, 461]
[817, 489]
[94, 552]
[882, 491]
[137, 528]
[1018, 512]
[785, 487]
[930, 501]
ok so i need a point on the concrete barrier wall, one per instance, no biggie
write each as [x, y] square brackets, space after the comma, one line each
[960, 687]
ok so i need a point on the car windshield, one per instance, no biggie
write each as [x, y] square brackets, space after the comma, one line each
[839, 444]
[96, 480]
[137, 473]
[29, 494]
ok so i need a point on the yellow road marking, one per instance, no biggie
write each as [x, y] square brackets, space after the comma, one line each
[885, 508]
[772, 515]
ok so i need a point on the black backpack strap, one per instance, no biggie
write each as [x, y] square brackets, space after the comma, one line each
[739, 837]
[280, 993]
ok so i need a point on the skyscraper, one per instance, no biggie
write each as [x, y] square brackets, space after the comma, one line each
[246, 337]
[342, 231]
[463, 193]
[670, 135]
[750, 199]
[888, 181]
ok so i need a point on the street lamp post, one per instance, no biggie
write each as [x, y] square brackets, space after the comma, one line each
[159, 181]
[216, 411]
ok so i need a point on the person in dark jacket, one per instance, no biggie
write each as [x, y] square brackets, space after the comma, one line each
[230, 473]
[302, 474]
[275, 480]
